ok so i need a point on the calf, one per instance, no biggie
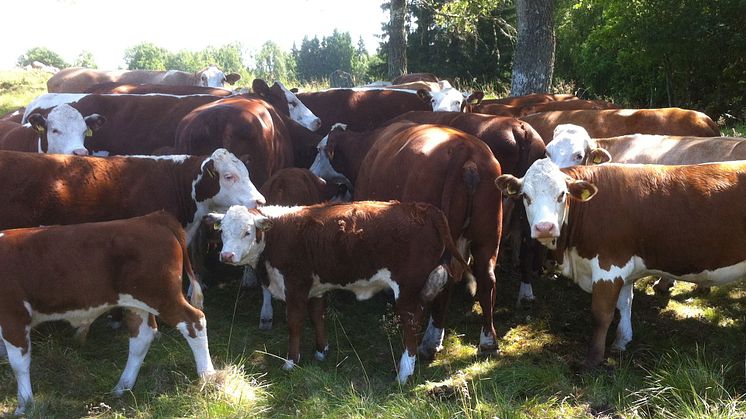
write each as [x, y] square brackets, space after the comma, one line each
[363, 247]
[86, 270]
[612, 224]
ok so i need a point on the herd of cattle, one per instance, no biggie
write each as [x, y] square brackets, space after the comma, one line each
[128, 170]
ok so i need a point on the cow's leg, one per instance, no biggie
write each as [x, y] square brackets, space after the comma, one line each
[409, 308]
[624, 329]
[296, 310]
[662, 286]
[484, 270]
[432, 341]
[317, 308]
[248, 278]
[603, 301]
[267, 314]
[141, 335]
[192, 324]
[17, 344]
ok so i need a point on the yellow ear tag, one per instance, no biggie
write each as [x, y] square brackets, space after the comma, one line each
[209, 172]
[39, 128]
[89, 132]
[586, 194]
[216, 226]
[597, 159]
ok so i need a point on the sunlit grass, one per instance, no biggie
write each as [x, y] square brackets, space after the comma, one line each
[19, 87]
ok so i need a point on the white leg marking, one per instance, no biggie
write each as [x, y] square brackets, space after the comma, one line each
[21, 364]
[486, 340]
[525, 293]
[321, 356]
[200, 348]
[406, 367]
[139, 346]
[289, 365]
[248, 279]
[432, 340]
[265, 318]
[624, 329]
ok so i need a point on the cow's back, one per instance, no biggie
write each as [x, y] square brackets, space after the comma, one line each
[16, 137]
[77, 80]
[672, 150]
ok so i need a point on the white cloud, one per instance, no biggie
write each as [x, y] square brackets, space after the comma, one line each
[106, 28]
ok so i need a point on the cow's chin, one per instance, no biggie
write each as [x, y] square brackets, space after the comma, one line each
[549, 242]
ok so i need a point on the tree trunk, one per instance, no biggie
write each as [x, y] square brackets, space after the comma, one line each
[397, 39]
[533, 61]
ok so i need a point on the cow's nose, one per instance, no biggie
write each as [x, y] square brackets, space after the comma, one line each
[544, 229]
[80, 152]
[316, 124]
[227, 256]
[260, 201]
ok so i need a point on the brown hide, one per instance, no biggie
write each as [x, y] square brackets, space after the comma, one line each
[139, 89]
[412, 77]
[521, 101]
[72, 189]
[295, 186]
[566, 105]
[89, 265]
[655, 149]
[361, 110]
[14, 116]
[614, 122]
[16, 137]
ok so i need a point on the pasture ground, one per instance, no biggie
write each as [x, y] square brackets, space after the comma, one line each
[687, 358]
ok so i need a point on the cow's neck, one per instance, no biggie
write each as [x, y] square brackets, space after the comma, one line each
[354, 147]
[188, 212]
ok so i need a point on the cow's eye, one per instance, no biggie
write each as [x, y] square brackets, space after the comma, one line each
[55, 131]
[230, 178]
[577, 156]
[246, 233]
[527, 199]
[561, 196]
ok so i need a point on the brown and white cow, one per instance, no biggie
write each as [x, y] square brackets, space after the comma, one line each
[363, 247]
[14, 116]
[515, 145]
[73, 189]
[78, 272]
[439, 165]
[78, 80]
[63, 131]
[519, 110]
[534, 98]
[142, 89]
[606, 123]
[411, 77]
[611, 224]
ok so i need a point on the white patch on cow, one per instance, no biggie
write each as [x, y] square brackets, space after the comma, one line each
[525, 293]
[322, 166]
[624, 328]
[446, 100]
[625, 112]
[569, 146]
[50, 100]
[545, 199]
[362, 288]
[76, 318]
[2, 235]
[138, 348]
[406, 367]
[321, 356]
[128, 301]
[199, 346]
[66, 130]
[212, 76]
[432, 340]
[101, 153]
[176, 158]
[586, 272]
[486, 340]
[20, 362]
[299, 112]
[276, 282]
[288, 365]
[267, 313]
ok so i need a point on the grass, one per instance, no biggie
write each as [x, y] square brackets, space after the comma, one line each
[686, 359]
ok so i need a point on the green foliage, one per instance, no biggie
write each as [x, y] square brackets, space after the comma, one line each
[85, 59]
[317, 59]
[652, 53]
[271, 63]
[43, 55]
[146, 56]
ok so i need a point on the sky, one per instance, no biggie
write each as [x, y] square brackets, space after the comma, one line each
[106, 27]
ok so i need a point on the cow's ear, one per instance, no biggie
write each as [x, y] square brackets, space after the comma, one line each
[263, 223]
[294, 90]
[94, 122]
[599, 156]
[424, 95]
[581, 190]
[208, 185]
[509, 185]
[232, 78]
[260, 87]
[213, 219]
[38, 122]
[475, 98]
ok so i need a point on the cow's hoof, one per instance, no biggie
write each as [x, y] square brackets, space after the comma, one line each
[428, 354]
[288, 365]
[488, 351]
[525, 303]
[265, 324]
[702, 290]
[321, 356]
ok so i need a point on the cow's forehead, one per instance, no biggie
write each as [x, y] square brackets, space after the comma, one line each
[544, 177]
[63, 116]
[237, 220]
[448, 93]
[225, 160]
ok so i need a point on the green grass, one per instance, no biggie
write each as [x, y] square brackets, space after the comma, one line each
[19, 87]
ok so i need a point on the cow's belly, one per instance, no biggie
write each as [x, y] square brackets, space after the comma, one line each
[585, 272]
[76, 318]
[362, 288]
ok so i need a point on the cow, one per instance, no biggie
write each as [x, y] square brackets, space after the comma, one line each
[439, 165]
[78, 80]
[611, 224]
[614, 122]
[410, 77]
[250, 128]
[14, 115]
[76, 189]
[63, 131]
[362, 109]
[78, 272]
[140, 89]
[363, 247]
[286, 102]
[515, 145]
[518, 109]
[532, 99]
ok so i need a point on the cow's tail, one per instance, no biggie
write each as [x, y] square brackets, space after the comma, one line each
[450, 259]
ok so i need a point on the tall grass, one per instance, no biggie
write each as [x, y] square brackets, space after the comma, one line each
[19, 87]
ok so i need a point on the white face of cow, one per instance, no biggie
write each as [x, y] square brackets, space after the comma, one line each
[242, 235]
[545, 189]
[570, 145]
[236, 187]
[447, 99]
[300, 112]
[66, 129]
[212, 76]
[322, 165]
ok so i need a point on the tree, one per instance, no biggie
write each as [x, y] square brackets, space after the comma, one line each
[533, 60]
[146, 56]
[271, 63]
[397, 46]
[43, 55]
[85, 59]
